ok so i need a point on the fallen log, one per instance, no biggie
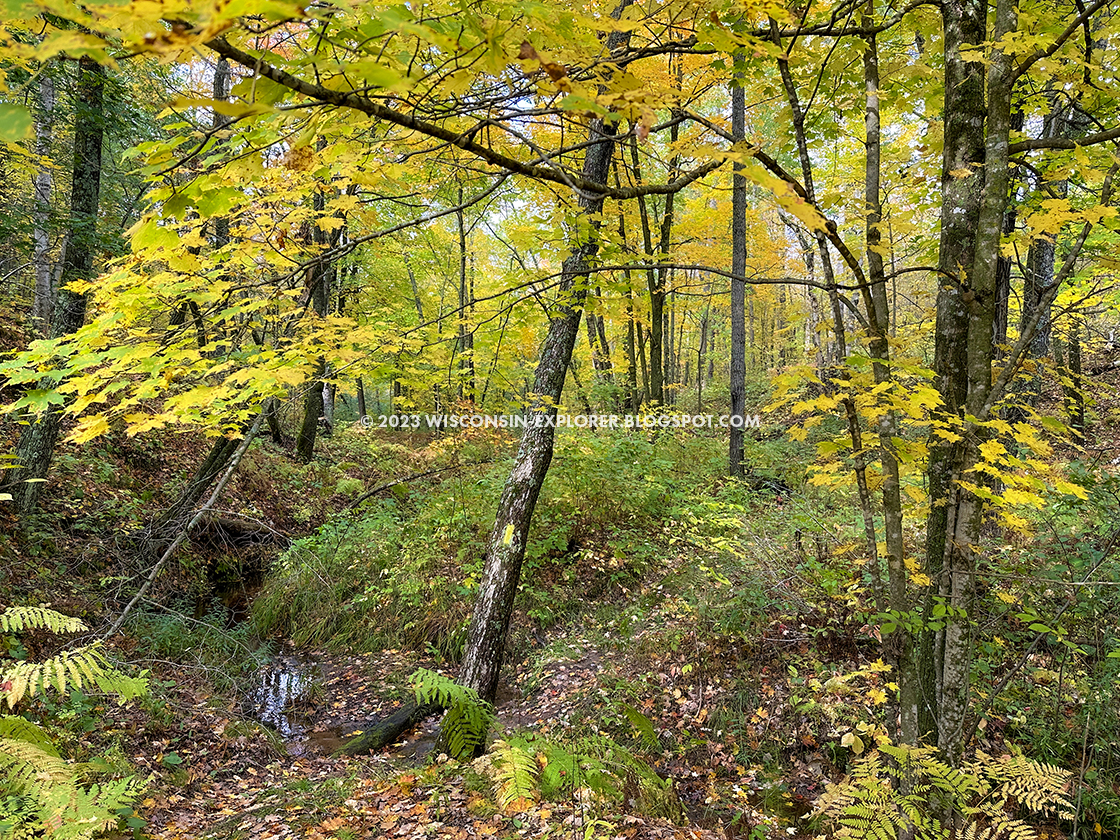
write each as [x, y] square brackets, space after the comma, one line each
[380, 733]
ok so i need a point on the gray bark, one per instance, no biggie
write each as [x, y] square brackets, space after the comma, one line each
[964, 24]
[738, 284]
[35, 449]
[44, 186]
[501, 574]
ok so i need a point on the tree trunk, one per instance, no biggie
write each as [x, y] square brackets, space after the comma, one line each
[703, 346]
[35, 449]
[320, 297]
[44, 186]
[964, 24]
[489, 627]
[312, 412]
[163, 528]
[738, 377]
[361, 399]
[272, 417]
[655, 389]
[900, 649]
[635, 397]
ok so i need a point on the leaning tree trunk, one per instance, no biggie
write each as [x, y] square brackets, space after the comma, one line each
[486, 638]
[164, 528]
[35, 449]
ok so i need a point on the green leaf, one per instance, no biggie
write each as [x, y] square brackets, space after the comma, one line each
[39, 400]
[15, 123]
[171, 760]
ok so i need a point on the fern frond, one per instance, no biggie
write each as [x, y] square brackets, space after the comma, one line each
[515, 771]
[21, 729]
[867, 805]
[19, 619]
[467, 719]
[80, 668]
[26, 768]
[77, 813]
[643, 725]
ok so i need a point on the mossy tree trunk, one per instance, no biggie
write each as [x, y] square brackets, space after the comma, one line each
[35, 449]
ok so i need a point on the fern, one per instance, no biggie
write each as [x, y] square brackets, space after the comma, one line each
[21, 729]
[516, 772]
[40, 793]
[21, 619]
[526, 767]
[467, 719]
[904, 795]
[79, 668]
[643, 725]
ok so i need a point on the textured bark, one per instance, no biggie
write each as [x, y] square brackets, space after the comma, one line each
[955, 574]
[222, 78]
[655, 387]
[35, 449]
[738, 285]
[382, 733]
[43, 301]
[489, 627]
[312, 413]
[634, 395]
[465, 343]
[319, 293]
[272, 417]
[964, 25]
[164, 527]
[361, 398]
[900, 648]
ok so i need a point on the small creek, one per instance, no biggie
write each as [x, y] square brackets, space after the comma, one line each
[282, 688]
[284, 699]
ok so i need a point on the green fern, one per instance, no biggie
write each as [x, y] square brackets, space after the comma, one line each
[80, 668]
[883, 799]
[467, 719]
[516, 772]
[41, 794]
[21, 729]
[525, 767]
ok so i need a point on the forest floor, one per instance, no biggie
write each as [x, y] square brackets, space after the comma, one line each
[222, 776]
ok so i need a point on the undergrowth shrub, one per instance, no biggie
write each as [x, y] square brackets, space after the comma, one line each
[909, 791]
[526, 767]
[228, 654]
